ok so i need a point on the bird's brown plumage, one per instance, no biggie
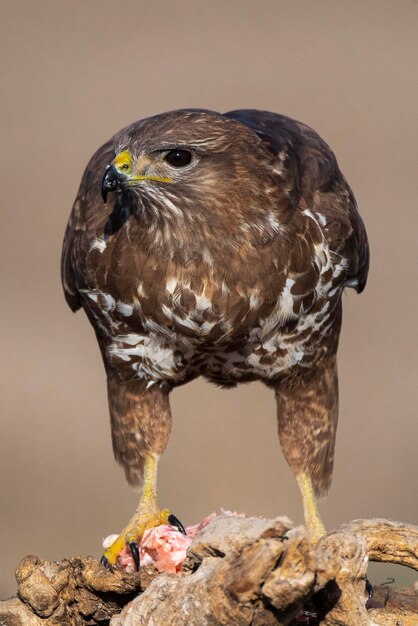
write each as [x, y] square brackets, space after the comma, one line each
[231, 267]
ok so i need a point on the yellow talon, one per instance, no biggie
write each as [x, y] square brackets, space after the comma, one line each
[134, 531]
[111, 553]
[146, 516]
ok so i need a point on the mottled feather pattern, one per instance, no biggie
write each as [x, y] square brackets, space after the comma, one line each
[233, 271]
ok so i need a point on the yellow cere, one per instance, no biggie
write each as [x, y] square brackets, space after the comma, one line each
[124, 163]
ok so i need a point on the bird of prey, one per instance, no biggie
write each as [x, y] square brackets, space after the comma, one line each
[215, 245]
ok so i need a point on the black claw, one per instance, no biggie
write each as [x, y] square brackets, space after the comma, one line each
[173, 521]
[133, 546]
[369, 588]
[105, 562]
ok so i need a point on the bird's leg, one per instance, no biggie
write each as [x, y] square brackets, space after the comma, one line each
[314, 525]
[147, 515]
[307, 410]
[141, 420]
[148, 500]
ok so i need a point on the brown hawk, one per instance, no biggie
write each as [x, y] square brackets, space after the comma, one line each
[216, 245]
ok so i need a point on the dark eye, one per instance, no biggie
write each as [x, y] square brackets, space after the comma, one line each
[178, 157]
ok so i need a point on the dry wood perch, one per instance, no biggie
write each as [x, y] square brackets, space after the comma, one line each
[238, 572]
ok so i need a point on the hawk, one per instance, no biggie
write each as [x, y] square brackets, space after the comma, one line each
[215, 245]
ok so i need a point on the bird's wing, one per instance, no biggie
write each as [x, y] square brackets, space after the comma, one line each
[310, 173]
[88, 209]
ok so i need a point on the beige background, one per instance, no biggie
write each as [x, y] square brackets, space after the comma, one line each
[75, 72]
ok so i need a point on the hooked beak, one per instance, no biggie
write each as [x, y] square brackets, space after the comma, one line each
[122, 170]
[111, 181]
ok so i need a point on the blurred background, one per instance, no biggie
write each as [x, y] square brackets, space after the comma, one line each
[72, 74]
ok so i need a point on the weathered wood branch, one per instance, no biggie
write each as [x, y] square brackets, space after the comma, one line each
[238, 571]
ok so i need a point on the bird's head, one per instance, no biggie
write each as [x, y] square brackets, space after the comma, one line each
[193, 166]
[127, 171]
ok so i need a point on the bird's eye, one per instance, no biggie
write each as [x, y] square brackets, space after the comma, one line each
[178, 157]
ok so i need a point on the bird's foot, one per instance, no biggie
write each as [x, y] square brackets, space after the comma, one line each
[131, 535]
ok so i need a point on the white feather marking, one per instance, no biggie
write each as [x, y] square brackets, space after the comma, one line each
[351, 282]
[309, 213]
[207, 327]
[98, 244]
[340, 267]
[131, 339]
[207, 257]
[155, 354]
[286, 301]
[298, 355]
[109, 302]
[332, 292]
[170, 205]
[90, 294]
[181, 321]
[203, 303]
[255, 301]
[124, 309]
[171, 285]
[273, 223]
[321, 255]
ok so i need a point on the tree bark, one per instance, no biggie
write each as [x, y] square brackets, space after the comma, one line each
[238, 571]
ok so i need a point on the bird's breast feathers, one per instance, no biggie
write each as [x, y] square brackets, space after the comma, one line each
[159, 321]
